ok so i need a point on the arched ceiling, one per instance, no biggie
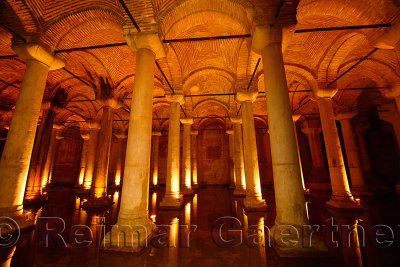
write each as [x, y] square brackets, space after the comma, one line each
[202, 69]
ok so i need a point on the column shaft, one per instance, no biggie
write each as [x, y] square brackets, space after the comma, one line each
[195, 183]
[253, 200]
[154, 158]
[186, 161]
[232, 180]
[240, 189]
[118, 167]
[341, 195]
[91, 158]
[21, 136]
[50, 157]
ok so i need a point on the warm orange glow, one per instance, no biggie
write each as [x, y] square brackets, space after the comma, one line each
[175, 183]
[308, 217]
[194, 174]
[117, 177]
[153, 202]
[173, 234]
[187, 213]
[155, 177]
[153, 218]
[115, 197]
[77, 203]
[81, 176]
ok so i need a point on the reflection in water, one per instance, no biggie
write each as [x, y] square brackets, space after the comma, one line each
[173, 242]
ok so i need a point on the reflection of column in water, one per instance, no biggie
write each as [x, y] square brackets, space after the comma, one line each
[6, 255]
[187, 214]
[153, 207]
[195, 208]
[173, 243]
[114, 209]
[255, 239]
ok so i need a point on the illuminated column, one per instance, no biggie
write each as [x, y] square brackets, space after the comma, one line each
[84, 152]
[295, 118]
[99, 184]
[240, 190]
[194, 134]
[172, 198]
[17, 151]
[253, 200]
[53, 160]
[231, 163]
[154, 156]
[186, 157]
[341, 197]
[289, 194]
[357, 178]
[33, 184]
[50, 155]
[91, 155]
[118, 168]
[133, 217]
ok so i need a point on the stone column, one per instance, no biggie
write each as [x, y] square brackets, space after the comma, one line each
[59, 136]
[357, 178]
[315, 145]
[240, 190]
[17, 151]
[154, 157]
[341, 196]
[91, 155]
[118, 168]
[172, 198]
[295, 118]
[253, 200]
[186, 158]
[289, 194]
[50, 155]
[195, 184]
[133, 216]
[84, 152]
[232, 183]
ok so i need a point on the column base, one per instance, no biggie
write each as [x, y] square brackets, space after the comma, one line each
[254, 204]
[345, 203]
[195, 186]
[360, 191]
[82, 191]
[170, 202]
[97, 203]
[34, 200]
[187, 192]
[19, 222]
[304, 248]
[239, 192]
[152, 186]
[129, 235]
[232, 186]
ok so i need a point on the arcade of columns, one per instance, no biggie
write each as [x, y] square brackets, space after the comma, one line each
[142, 143]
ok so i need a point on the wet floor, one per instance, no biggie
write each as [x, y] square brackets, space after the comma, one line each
[243, 241]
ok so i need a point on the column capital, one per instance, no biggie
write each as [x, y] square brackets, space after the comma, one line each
[156, 133]
[323, 92]
[109, 102]
[94, 125]
[37, 52]
[194, 132]
[85, 136]
[392, 92]
[264, 35]
[390, 39]
[243, 96]
[177, 97]
[346, 115]
[144, 40]
[59, 135]
[57, 126]
[236, 119]
[120, 135]
[187, 121]
[229, 132]
[296, 117]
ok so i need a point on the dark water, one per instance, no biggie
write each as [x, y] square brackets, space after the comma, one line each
[203, 210]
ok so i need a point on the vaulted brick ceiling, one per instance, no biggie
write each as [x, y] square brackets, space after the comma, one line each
[206, 67]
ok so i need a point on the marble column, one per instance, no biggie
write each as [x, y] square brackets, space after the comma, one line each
[82, 167]
[186, 158]
[295, 118]
[91, 155]
[358, 186]
[17, 151]
[289, 194]
[172, 198]
[133, 216]
[99, 183]
[341, 197]
[155, 157]
[253, 200]
[194, 134]
[240, 189]
[50, 155]
[121, 137]
[232, 178]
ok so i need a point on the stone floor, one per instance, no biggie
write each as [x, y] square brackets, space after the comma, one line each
[209, 204]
